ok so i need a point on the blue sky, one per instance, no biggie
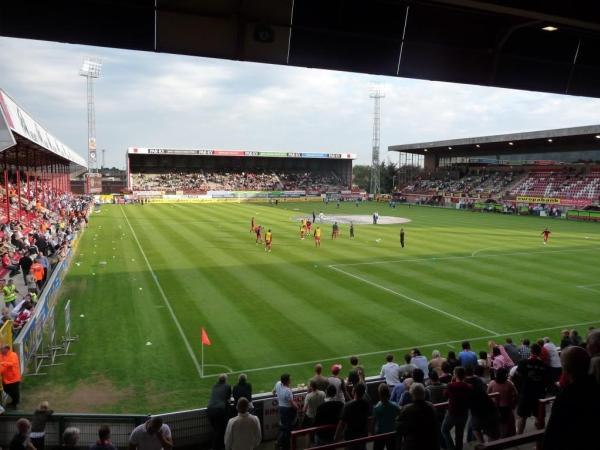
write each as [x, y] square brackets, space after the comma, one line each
[157, 100]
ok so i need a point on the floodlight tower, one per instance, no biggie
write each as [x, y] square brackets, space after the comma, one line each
[376, 94]
[90, 69]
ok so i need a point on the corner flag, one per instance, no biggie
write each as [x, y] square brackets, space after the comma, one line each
[205, 339]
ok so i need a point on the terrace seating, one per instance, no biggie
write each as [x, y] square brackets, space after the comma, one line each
[200, 180]
[489, 183]
[560, 185]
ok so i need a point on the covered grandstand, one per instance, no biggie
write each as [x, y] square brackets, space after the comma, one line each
[36, 165]
[204, 173]
[502, 168]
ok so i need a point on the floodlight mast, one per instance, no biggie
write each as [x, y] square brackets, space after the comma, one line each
[376, 94]
[90, 69]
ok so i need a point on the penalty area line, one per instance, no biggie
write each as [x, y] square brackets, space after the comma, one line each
[165, 299]
[414, 300]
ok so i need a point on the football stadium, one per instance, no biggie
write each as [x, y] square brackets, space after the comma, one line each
[241, 298]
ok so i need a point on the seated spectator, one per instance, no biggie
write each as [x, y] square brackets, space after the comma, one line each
[384, 418]
[328, 413]
[70, 437]
[418, 427]
[420, 362]
[575, 412]
[243, 389]
[243, 432]
[467, 357]
[354, 420]
[312, 401]
[435, 364]
[506, 402]
[103, 442]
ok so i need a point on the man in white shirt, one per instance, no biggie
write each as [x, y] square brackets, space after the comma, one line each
[390, 371]
[243, 431]
[152, 435]
[554, 359]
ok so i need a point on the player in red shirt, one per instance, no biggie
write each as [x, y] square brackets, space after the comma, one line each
[546, 234]
[258, 231]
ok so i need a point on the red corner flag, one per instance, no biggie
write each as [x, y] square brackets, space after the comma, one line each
[205, 339]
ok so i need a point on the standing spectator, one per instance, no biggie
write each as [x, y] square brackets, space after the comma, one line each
[10, 293]
[593, 348]
[38, 273]
[512, 350]
[484, 362]
[243, 389]
[467, 357]
[38, 427]
[243, 431]
[574, 419]
[418, 427]
[435, 390]
[25, 263]
[446, 375]
[354, 420]
[11, 374]
[43, 260]
[435, 364]
[406, 369]
[458, 394]
[20, 440]
[452, 361]
[328, 413]
[312, 401]
[554, 360]
[339, 384]
[384, 418]
[524, 351]
[8, 264]
[151, 435]
[356, 374]
[103, 442]
[484, 414]
[70, 437]
[565, 340]
[218, 410]
[390, 371]
[287, 411]
[575, 338]
[321, 381]
[417, 377]
[420, 362]
[506, 401]
[532, 375]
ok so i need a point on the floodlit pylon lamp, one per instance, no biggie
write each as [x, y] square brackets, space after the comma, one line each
[91, 68]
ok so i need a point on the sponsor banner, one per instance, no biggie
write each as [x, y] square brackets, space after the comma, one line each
[22, 123]
[148, 193]
[244, 153]
[531, 199]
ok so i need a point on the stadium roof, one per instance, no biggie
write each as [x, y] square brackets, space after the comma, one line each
[557, 140]
[551, 45]
[24, 141]
[238, 153]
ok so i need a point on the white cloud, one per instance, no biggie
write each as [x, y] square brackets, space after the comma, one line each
[149, 99]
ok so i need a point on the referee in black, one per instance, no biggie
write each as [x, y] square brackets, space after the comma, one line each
[402, 237]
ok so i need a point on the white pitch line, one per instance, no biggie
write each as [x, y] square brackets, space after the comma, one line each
[436, 344]
[482, 250]
[414, 300]
[589, 289]
[229, 369]
[165, 299]
[442, 258]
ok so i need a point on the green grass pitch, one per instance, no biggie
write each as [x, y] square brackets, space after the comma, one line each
[172, 269]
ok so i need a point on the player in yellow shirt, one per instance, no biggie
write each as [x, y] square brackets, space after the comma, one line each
[317, 235]
[268, 241]
[302, 231]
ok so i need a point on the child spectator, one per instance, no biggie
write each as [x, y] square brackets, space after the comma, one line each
[38, 426]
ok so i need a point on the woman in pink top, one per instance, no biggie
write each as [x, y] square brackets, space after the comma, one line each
[506, 401]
